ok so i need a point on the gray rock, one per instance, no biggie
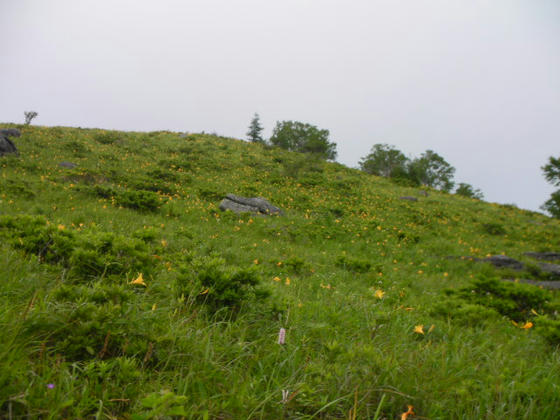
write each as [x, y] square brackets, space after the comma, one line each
[10, 132]
[552, 269]
[240, 204]
[501, 261]
[68, 165]
[550, 285]
[6, 145]
[546, 256]
[409, 198]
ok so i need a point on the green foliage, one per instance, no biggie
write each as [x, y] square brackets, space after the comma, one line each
[494, 228]
[551, 173]
[195, 337]
[467, 190]
[106, 137]
[103, 324]
[141, 200]
[86, 254]
[384, 160]
[221, 286]
[163, 404]
[514, 300]
[353, 264]
[552, 205]
[432, 170]
[255, 130]
[465, 313]
[549, 328]
[301, 137]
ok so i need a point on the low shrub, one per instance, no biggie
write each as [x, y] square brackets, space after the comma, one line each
[514, 300]
[494, 228]
[86, 254]
[220, 286]
[353, 264]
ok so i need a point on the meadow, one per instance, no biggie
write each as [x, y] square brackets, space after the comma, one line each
[125, 293]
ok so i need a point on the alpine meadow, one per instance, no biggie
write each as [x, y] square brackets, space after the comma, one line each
[127, 293]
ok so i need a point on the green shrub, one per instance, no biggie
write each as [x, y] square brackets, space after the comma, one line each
[139, 200]
[549, 329]
[464, 313]
[295, 264]
[219, 286]
[353, 264]
[86, 254]
[106, 137]
[514, 300]
[494, 228]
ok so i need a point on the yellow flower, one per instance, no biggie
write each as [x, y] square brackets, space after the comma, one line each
[527, 325]
[276, 278]
[139, 280]
[204, 292]
[379, 294]
[256, 261]
[61, 227]
[288, 281]
[419, 329]
[154, 306]
[325, 286]
[163, 243]
[431, 328]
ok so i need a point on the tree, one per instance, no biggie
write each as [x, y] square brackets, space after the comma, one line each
[467, 190]
[432, 170]
[29, 116]
[384, 160]
[255, 129]
[305, 138]
[551, 173]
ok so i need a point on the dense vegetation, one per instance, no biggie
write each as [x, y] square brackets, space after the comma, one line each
[126, 293]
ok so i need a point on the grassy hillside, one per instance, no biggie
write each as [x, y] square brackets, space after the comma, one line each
[126, 293]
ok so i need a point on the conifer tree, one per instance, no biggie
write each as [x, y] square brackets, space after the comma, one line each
[551, 172]
[255, 129]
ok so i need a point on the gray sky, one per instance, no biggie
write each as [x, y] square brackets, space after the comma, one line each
[476, 81]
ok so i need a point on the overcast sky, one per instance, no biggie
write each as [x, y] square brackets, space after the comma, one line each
[476, 81]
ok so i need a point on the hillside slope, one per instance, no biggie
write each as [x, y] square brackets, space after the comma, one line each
[126, 293]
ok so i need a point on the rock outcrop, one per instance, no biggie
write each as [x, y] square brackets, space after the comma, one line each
[257, 205]
[6, 145]
[545, 256]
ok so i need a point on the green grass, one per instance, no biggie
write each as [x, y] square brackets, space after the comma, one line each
[199, 340]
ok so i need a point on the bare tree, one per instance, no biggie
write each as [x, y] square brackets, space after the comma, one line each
[29, 116]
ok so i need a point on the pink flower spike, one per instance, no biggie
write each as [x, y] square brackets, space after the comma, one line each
[50, 386]
[282, 336]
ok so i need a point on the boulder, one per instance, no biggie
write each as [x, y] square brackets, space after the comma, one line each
[551, 269]
[409, 198]
[240, 204]
[10, 132]
[6, 145]
[501, 261]
[545, 256]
